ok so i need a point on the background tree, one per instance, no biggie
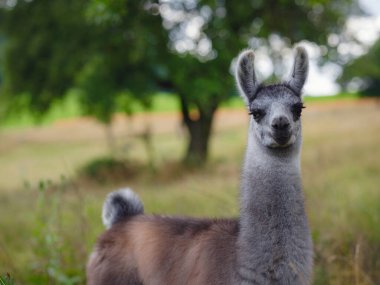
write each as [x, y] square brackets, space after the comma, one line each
[364, 72]
[208, 34]
[126, 56]
[114, 49]
[41, 55]
[110, 53]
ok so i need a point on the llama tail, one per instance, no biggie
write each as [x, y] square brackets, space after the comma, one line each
[119, 205]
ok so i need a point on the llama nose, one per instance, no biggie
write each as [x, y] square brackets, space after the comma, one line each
[280, 123]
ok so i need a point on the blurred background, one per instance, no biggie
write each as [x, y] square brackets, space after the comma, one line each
[101, 94]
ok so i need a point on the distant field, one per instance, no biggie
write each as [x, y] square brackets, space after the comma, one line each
[49, 218]
[162, 102]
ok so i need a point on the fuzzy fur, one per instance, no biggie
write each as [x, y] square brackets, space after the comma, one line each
[300, 70]
[269, 244]
[120, 205]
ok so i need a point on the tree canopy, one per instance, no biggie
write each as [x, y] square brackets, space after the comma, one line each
[106, 52]
[201, 74]
[365, 72]
[115, 51]
[41, 54]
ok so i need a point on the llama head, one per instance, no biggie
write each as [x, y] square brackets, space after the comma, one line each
[275, 109]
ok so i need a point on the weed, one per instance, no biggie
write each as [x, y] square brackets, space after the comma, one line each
[6, 280]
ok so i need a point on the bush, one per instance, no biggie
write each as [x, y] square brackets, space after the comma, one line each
[107, 169]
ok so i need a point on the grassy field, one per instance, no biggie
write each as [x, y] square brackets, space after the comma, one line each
[50, 215]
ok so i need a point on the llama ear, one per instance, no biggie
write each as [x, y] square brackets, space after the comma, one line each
[245, 76]
[299, 70]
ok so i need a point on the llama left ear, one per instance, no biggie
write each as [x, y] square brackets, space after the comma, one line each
[300, 70]
[245, 76]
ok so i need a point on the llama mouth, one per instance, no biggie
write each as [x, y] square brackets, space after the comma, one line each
[281, 139]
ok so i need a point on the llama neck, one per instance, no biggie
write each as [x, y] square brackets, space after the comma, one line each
[273, 224]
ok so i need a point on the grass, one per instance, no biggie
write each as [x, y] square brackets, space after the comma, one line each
[49, 219]
[6, 280]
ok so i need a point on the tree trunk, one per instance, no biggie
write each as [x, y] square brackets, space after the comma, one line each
[111, 142]
[199, 129]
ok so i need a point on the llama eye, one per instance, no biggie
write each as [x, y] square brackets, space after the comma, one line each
[297, 110]
[257, 114]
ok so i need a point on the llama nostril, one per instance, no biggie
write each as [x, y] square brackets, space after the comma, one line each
[280, 123]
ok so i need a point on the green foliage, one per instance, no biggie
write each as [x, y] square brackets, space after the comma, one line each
[117, 51]
[6, 280]
[200, 76]
[63, 44]
[366, 68]
[48, 233]
[97, 90]
[41, 53]
[106, 169]
[124, 63]
[56, 234]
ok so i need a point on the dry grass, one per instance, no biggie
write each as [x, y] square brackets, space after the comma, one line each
[47, 229]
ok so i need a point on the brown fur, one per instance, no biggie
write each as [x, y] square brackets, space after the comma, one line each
[155, 250]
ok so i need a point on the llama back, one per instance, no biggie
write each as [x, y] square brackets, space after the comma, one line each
[142, 249]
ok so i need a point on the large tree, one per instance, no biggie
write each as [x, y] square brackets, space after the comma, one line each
[110, 52]
[208, 34]
[113, 48]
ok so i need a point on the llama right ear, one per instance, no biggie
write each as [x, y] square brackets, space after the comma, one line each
[245, 76]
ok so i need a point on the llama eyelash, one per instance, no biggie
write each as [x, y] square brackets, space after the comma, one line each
[297, 110]
[257, 114]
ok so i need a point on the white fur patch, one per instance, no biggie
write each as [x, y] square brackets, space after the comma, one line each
[109, 213]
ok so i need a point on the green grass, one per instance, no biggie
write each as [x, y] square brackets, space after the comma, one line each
[49, 225]
[67, 108]
[338, 97]
[70, 108]
[6, 280]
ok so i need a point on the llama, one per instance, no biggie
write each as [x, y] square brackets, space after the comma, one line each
[269, 244]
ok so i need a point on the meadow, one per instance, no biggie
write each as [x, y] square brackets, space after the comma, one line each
[50, 201]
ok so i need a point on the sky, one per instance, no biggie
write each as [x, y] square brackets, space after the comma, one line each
[321, 81]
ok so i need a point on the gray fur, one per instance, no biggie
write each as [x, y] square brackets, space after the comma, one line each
[245, 75]
[299, 70]
[269, 244]
[120, 205]
[274, 244]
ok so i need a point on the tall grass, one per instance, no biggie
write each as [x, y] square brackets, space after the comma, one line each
[6, 280]
[49, 225]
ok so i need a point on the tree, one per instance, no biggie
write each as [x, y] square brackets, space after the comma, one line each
[118, 48]
[222, 28]
[41, 54]
[107, 52]
[125, 58]
[366, 68]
